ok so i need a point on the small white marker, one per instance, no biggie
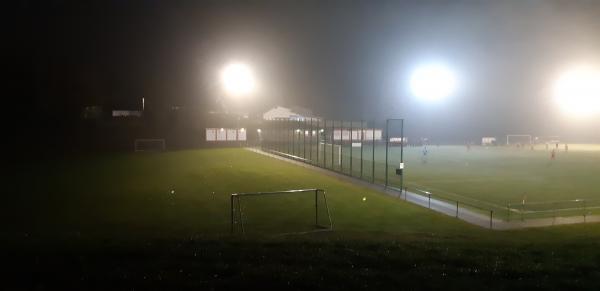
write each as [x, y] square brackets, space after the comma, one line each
[364, 199]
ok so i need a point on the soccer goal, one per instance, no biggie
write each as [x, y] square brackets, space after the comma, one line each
[551, 139]
[282, 212]
[518, 139]
[149, 144]
[332, 149]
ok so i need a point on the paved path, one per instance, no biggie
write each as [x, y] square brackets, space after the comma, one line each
[450, 209]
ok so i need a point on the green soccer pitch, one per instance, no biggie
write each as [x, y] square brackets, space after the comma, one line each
[511, 181]
[497, 177]
[161, 221]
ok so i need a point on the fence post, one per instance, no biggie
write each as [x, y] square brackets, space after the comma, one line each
[304, 139]
[491, 217]
[310, 141]
[429, 201]
[362, 138]
[318, 136]
[351, 148]
[508, 212]
[584, 210]
[457, 209]
[231, 198]
[316, 207]
[325, 143]
[387, 140]
[402, 151]
[332, 143]
[405, 193]
[373, 161]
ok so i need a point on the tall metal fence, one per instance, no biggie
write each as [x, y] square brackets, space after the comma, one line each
[374, 151]
[366, 150]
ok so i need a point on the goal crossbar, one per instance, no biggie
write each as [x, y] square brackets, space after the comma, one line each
[508, 136]
[237, 215]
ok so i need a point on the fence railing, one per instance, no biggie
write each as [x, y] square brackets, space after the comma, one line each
[355, 148]
[365, 150]
[517, 211]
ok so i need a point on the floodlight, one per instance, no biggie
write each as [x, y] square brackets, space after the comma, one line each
[577, 91]
[433, 82]
[238, 79]
[258, 130]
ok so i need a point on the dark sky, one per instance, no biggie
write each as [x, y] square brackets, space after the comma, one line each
[343, 59]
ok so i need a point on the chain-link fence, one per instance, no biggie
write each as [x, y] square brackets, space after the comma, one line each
[370, 151]
[374, 152]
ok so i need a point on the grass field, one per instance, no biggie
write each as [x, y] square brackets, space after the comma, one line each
[111, 222]
[494, 178]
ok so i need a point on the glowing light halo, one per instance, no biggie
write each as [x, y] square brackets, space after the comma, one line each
[238, 79]
[433, 81]
[577, 91]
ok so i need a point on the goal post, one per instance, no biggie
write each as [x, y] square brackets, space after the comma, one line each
[149, 144]
[523, 139]
[238, 218]
[332, 149]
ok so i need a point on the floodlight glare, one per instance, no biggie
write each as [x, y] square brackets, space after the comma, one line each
[238, 79]
[577, 91]
[433, 82]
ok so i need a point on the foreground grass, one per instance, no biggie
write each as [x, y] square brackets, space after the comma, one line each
[111, 222]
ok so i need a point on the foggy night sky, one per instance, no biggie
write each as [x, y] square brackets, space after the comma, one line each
[342, 59]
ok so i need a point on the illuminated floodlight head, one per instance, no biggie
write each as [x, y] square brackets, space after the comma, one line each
[433, 82]
[258, 130]
[238, 79]
[577, 91]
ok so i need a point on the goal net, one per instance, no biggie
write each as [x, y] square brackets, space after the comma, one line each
[280, 212]
[149, 144]
[518, 139]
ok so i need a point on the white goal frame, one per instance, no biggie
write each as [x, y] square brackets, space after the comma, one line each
[237, 215]
[143, 140]
[335, 146]
[508, 136]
